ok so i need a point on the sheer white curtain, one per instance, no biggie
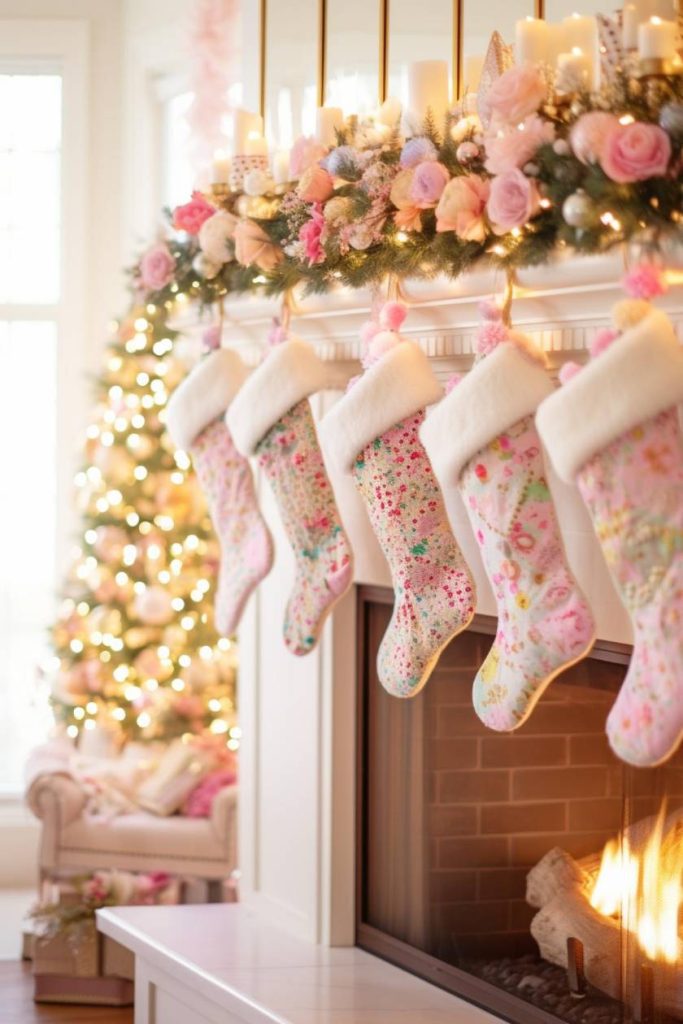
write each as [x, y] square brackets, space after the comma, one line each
[30, 308]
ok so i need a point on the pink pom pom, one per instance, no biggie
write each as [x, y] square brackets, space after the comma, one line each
[490, 335]
[453, 382]
[644, 282]
[211, 338]
[368, 331]
[490, 310]
[392, 315]
[379, 346]
[568, 371]
[277, 333]
[602, 341]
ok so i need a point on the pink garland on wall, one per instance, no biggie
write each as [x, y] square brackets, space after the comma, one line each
[215, 55]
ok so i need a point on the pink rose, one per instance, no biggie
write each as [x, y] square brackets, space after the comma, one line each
[516, 94]
[429, 180]
[513, 201]
[305, 152]
[588, 135]
[157, 267]
[635, 152]
[315, 185]
[516, 146]
[192, 215]
[311, 235]
[253, 246]
[462, 207]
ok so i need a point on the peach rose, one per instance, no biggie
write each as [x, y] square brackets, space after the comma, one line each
[253, 246]
[462, 207]
[408, 215]
[315, 185]
[635, 152]
[516, 94]
[216, 235]
[513, 200]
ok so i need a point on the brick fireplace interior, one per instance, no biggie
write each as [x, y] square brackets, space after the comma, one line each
[452, 815]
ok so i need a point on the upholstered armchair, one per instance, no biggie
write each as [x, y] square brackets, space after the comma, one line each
[73, 840]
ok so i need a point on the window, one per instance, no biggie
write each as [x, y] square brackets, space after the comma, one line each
[30, 289]
[178, 174]
[43, 400]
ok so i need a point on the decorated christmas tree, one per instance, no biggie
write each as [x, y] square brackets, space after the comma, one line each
[135, 645]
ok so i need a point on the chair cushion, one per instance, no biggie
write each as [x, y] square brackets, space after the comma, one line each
[145, 835]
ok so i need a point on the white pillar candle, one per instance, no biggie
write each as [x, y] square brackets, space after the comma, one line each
[328, 121]
[281, 173]
[531, 41]
[581, 30]
[245, 122]
[474, 65]
[629, 27]
[574, 71]
[555, 42]
[657, 39]
[255, 145]
[221, 168]
[427, 90]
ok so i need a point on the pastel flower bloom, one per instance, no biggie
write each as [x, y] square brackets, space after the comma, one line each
[216, 235]
[192, 215]
[587, 136]
[417, 151]
[304, 154]
[311, 235]
[157, 267]
[254, 247]
[429, 181]
[315, 185]
[516, 146]
[635, 152]
[462, 207]
[512, 202]
[516, 94]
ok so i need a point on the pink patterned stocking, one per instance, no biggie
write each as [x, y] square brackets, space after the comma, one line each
[246, 545]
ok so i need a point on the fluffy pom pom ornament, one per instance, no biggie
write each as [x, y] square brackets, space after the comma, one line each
[392, 316]
[629, 312]
[490, 335]
[602, 341]
[644, 282]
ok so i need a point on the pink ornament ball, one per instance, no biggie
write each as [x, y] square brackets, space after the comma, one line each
[568, 371]
[392, 315]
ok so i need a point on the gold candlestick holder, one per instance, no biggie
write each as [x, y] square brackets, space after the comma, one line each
[221, 194]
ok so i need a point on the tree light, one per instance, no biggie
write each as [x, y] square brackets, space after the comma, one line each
[79, 713]
[72, 731]
[144, 720]
[119, 714]
[76, 646]
[140, 473]
[178, 685]
[91, 707]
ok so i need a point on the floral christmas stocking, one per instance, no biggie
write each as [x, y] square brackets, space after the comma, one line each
[614, 429]
[483, 437]
[196, 424]
[272, 419]
[373, 433]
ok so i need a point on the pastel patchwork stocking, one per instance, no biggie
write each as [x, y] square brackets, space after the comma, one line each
[246, 545]
[291, 459]
[544, 623]
[614, 429]
[634, 492]
[433, 591]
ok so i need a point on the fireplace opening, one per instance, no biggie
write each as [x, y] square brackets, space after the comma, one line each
[533, 873]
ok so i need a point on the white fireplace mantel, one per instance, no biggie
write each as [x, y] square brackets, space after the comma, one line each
[297, 828]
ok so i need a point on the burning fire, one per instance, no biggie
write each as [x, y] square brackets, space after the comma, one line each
[644, 888]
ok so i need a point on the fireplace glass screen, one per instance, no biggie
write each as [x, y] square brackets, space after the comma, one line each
[532, 873]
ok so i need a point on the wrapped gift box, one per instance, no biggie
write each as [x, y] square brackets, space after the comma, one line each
[81, 966]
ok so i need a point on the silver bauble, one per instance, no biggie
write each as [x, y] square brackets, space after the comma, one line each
[578, 210]
[204, 267]
[671, 119]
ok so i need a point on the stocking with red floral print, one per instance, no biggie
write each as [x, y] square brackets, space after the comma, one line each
[271, 419]
[195, 419]
[482, 439]
[614, 429]
[373, 433]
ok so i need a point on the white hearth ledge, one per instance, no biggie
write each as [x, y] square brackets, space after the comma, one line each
[222, 964]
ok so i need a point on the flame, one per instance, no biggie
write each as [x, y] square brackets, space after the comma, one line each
[644, 888]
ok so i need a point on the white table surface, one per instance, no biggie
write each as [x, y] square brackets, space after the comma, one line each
[260, 973]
